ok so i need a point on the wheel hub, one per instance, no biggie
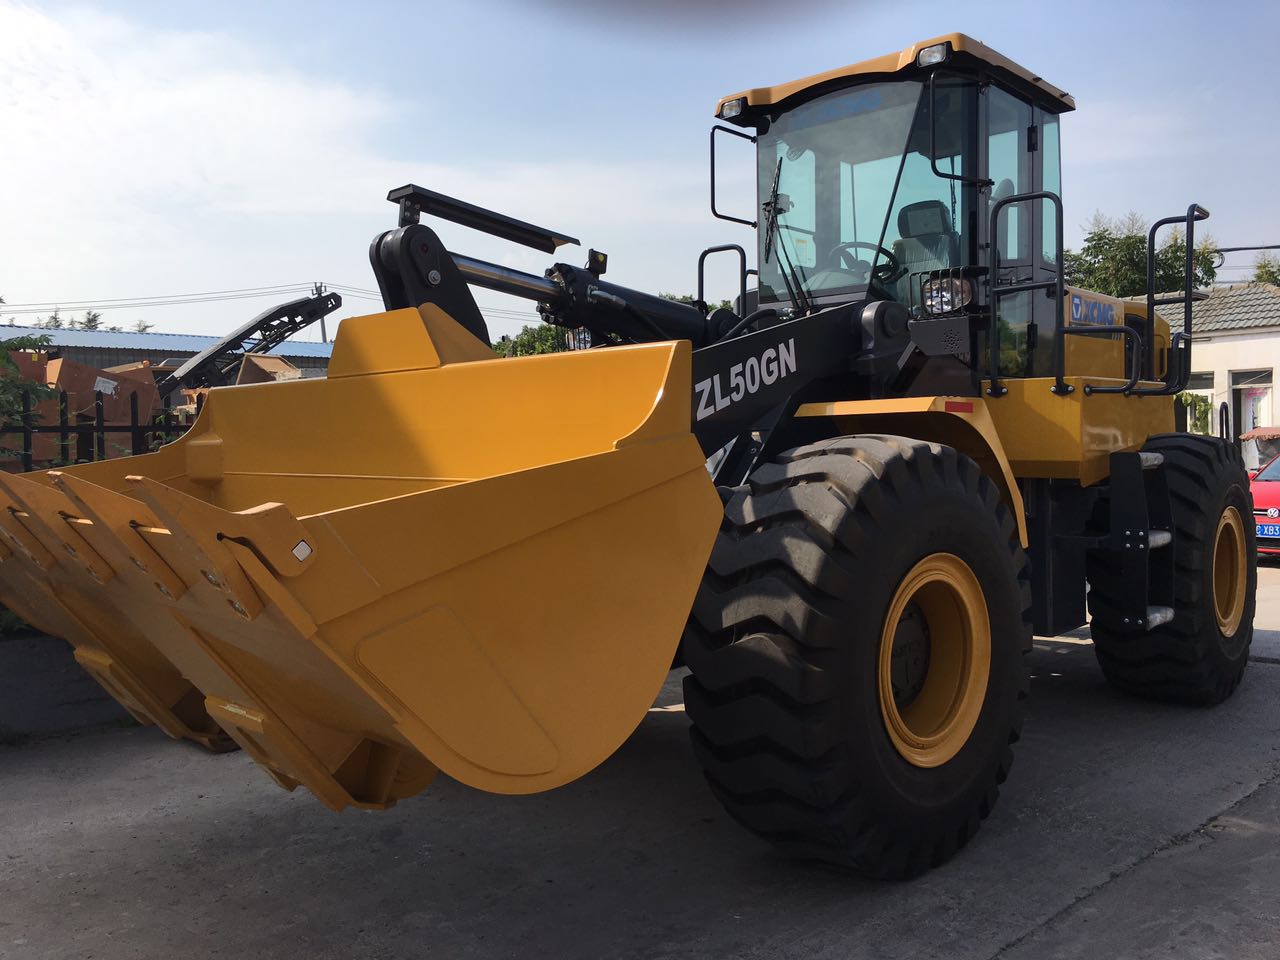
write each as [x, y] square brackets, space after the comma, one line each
[935, 660]
[910, 656]
[1230, 571]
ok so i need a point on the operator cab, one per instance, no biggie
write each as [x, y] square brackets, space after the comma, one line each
[877, 181]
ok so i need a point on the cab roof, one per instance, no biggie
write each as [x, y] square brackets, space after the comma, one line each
[964, 52]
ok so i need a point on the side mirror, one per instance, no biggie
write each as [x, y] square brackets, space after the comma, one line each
[933, 139]
[714, 212]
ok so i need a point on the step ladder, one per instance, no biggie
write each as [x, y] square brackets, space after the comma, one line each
[1141, 538]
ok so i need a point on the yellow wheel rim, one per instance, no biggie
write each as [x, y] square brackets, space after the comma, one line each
[1230, 571]
[930, 712]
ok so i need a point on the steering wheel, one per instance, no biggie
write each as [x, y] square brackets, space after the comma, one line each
[886, 271]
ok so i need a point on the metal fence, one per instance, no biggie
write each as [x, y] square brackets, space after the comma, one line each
[81, 440]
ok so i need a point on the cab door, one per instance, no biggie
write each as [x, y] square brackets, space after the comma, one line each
[1045, 148]
[1010, 168]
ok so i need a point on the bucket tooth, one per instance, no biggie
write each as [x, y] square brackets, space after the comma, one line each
[195, 539]
[66, 569]
[49, 515]
[21, 540]
[366, 777]
[115, 522]
[270, 529]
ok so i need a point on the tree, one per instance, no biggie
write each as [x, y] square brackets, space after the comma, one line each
[92, 320]
[1113, 259]
[539, 338]
[1199, 409]
[548, 338]
[12, 387]
[141, 326]
[688, 298]
[1266, 269]
[53, 321]
[12, 383]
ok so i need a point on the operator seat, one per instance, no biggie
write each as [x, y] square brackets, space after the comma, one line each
[927, 240]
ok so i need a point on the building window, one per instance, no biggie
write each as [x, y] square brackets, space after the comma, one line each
[1250, 408]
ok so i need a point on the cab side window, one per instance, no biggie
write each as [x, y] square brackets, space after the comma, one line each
[1009, 165]
[1051, 179]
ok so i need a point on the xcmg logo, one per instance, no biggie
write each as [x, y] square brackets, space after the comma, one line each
[1095, 313]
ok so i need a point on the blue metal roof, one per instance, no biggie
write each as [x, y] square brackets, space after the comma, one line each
[163, 342]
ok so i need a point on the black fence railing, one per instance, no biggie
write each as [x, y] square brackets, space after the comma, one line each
[82, 437]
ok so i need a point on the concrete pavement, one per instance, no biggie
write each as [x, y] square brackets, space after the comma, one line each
[1127, 829]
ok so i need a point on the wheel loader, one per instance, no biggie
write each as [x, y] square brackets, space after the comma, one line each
[845, 505]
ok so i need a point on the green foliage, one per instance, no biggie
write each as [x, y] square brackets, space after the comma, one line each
[53, 321]
[1199, 410]
[687, 298]
[548, 338]
[531, 340]
[92, 320]
[13, 384]
[141, 326]
[1113, 260]
[1266, 269]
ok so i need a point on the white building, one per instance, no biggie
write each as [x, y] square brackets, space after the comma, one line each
[1234, 356]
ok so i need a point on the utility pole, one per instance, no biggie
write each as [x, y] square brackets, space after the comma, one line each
[318, 290]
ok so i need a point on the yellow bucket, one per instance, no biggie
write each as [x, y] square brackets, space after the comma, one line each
[432, 559]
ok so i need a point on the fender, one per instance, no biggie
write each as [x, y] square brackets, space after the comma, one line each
[961, 422]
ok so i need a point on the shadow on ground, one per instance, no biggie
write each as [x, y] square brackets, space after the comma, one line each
[123, 844]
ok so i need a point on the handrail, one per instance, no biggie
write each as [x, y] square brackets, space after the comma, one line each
[1056, 284]
[1177, 373]
[1178, 370]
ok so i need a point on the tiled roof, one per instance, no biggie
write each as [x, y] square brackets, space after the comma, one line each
[170, 343]
[1245, 306]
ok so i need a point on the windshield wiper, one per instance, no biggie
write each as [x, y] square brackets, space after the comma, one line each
[771, 212]
[773, 208]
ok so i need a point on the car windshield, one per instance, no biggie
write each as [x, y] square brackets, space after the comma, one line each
[1270, 472]
[884, 214]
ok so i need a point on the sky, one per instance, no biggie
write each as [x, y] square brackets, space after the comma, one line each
[154, 149]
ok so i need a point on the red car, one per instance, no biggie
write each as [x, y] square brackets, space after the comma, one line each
[1265, 486]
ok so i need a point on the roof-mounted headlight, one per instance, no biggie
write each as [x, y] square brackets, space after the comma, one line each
[936, 53]
[733, 108]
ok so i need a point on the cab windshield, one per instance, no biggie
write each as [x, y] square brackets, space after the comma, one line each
[858, 205]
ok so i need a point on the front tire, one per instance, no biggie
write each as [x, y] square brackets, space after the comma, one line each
[857, 653]
[1200, 655]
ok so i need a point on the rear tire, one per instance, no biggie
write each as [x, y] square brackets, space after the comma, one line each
[808, 720]
[1200, 655]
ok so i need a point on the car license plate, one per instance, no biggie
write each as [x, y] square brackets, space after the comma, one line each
[1269, 529]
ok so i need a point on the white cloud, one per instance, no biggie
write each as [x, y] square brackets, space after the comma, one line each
[142, 162]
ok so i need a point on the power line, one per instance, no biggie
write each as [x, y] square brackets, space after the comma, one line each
[98, 306]
[78, 304]
[179, 299]
[224, 296]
